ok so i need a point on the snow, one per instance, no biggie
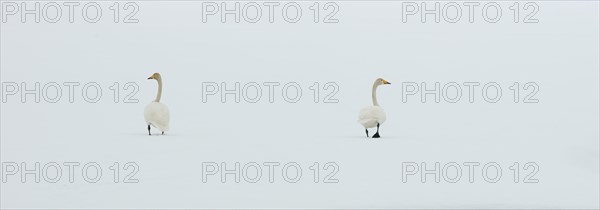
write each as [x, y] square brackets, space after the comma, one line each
[560, 133]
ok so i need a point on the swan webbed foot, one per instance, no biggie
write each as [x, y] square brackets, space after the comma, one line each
[377, 133]
[150, 134]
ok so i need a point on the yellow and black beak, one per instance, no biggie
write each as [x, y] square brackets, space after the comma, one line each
[150, 78]
[385, 82]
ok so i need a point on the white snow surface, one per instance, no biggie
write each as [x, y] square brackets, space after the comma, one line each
[560, 133]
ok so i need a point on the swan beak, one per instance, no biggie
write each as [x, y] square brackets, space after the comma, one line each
[149, 77]
[385, 82]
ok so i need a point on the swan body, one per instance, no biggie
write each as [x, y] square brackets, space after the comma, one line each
[373, 116]
[370, 116]
[156, 113]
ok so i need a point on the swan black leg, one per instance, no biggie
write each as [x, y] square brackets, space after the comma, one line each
[163, 133]
[367, 131]
[377, 133]
[149, 130]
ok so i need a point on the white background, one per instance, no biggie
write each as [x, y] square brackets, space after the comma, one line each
[560, 133]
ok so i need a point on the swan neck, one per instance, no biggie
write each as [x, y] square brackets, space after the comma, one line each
[374, 94]
[159, 94]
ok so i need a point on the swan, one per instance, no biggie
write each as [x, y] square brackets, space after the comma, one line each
[156, 113]
[373, 116]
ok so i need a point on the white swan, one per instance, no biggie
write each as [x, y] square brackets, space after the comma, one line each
[156, 113]
[373, 116]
